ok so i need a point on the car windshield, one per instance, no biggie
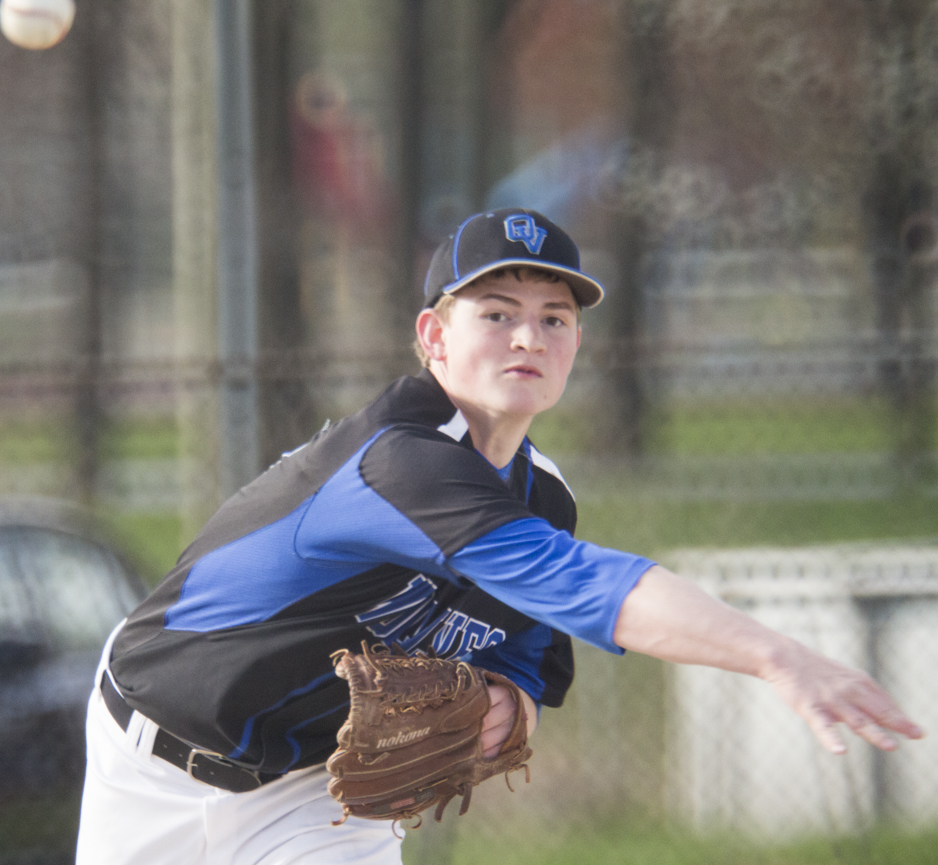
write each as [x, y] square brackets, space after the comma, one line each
[58, 588]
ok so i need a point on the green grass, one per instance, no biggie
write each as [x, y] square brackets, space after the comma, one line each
[154, 541]
[623, 844]
[26, 441]
[712, 429]
[140, 438]
[649, 527]
[736, 428]
[775, 428]
[53, 440]
[846, 426]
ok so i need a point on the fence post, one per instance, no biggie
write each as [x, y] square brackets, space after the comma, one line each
[194, 258]
[239, 445]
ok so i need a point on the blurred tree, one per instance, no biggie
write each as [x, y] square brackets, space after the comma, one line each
[757, 126]
[900, 220]
[287, 395]
[649, 108]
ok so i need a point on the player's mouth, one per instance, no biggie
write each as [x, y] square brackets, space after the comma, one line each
[522, 371]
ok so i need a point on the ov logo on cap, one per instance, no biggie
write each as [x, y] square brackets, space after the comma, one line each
[523, 229]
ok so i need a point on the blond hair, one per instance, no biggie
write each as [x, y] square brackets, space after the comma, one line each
[443, 307]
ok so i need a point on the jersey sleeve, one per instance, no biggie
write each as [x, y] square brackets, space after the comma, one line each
[571, 585]
[447, 491]
[485, 535]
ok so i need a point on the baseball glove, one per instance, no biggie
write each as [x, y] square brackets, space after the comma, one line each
[412, 738]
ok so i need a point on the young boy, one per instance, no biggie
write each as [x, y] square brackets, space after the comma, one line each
[429, 520]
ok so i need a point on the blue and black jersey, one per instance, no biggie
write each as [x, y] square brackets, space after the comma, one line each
[388, 526]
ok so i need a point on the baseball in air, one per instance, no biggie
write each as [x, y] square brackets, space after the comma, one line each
[36, 24]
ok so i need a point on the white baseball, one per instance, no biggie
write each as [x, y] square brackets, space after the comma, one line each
[36, 24]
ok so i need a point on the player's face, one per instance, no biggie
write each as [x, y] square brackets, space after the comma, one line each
[509, 345]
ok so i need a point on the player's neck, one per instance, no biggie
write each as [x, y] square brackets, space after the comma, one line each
[496, 433]
[496, 438]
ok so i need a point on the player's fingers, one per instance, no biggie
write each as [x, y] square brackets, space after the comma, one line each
[502, 709]
[865, 727]
[498, 721]
[493, 737]
[823, 723]
[884, 713]
[867, 709]
[899, 723]
[825, 730]
[875, 735]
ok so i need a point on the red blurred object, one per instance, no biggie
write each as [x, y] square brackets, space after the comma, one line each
[337, 158]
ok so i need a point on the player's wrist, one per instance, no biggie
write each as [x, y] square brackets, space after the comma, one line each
[531, 710]
[780, 657]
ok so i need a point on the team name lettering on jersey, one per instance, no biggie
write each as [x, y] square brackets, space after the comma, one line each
[462, 634]
[413, 614]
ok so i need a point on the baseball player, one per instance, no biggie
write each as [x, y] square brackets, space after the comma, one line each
[428, 520]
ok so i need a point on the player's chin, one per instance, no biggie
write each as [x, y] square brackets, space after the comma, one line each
[530, 398]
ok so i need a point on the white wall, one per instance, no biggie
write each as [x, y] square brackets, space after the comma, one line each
[738, 757]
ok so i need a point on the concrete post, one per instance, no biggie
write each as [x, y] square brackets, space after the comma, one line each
[194, 257]
[214, 252]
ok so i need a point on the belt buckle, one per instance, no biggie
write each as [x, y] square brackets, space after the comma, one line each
[220, 759]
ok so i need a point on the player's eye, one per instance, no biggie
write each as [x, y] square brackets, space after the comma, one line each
[554, 321]
[495, 316]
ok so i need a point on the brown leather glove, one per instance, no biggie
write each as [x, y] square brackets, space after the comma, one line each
[412, 738]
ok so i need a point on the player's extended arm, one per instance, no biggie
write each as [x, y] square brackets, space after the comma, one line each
[669, 617]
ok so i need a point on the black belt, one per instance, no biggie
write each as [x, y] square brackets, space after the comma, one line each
[205, 766]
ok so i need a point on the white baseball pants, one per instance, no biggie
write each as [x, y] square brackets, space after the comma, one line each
[140, 810]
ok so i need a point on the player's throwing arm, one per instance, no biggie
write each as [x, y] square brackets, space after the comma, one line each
[670, 618]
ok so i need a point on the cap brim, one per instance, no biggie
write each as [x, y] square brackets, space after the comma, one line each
[587, 291]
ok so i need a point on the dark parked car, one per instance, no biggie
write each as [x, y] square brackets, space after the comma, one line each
[63, 587]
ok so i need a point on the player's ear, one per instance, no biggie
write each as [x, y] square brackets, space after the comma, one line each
[430, 334]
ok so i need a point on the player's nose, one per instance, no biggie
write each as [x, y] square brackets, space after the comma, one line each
[528, 336]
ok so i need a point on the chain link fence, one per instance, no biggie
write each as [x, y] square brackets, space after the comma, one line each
[754, 463]
[754, 404]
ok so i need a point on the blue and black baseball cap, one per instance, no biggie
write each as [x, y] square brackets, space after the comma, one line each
[507, 238]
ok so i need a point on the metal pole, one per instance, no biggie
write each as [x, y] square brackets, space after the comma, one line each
[88, 402]
[195, 280]
[237, 246]
[413, 110]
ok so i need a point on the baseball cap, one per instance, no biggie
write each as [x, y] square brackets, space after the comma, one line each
[506, 238]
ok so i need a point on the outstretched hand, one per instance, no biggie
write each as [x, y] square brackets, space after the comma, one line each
[826, 693]
[669, 617]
